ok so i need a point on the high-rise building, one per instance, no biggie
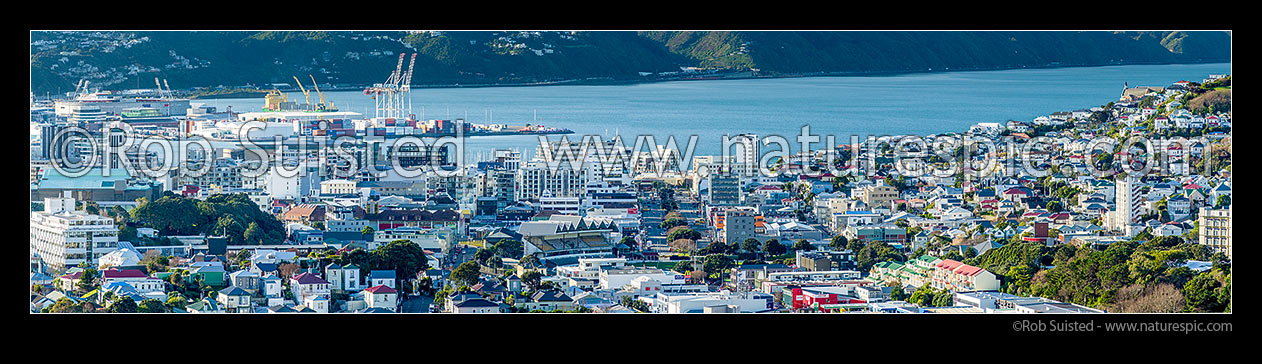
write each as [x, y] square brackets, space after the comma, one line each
[64, 237]
[1129, 205]
[744, 150]
[738, 225]
[725, 190]
[48, 147]
[1215, 229]
[561, 181]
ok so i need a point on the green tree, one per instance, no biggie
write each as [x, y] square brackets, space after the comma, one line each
[943, 298]
[175, 300]
[923, 296]
[803, 245]
[530, 261]
[1054, 206]
[897, 293]
[509, 248]
[482, 255]
[716, 264]
[868, 254]
[151, 306]
[65, 305]
[231, 228]
[358, 257]
[839, 242]
[532, 279]
[1017, 279]
[684, 266]
[634, 304]
[751, 245]
[466, 273]
[170, 214]
[773, 248]
[681, 232]
[1201, 296]
[673, 222]
[253, 234]
[405, 258]
[120, 214]
[123, 305]
[87, 281]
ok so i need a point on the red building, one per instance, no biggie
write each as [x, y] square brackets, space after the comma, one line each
[813, 297]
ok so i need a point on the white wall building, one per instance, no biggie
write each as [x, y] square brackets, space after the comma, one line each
[64, 237]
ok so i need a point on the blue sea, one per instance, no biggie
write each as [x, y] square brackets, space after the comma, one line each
[919, 104]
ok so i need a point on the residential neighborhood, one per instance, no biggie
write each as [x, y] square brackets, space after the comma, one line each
[1119, 207]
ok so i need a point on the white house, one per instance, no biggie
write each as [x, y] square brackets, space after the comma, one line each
[343, 278]
[382, 278]
[307, 285]
[234, 299]
[1168, 229]
[381, 296]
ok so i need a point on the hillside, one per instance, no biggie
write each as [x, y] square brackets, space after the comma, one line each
[119, 60]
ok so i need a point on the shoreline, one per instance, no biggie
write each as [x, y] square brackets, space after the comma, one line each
[736, 75]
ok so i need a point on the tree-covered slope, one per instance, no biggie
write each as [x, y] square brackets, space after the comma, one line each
[117, 60]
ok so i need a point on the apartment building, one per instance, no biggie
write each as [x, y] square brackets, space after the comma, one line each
[959, 277]
[1215, 229]
[65, 237]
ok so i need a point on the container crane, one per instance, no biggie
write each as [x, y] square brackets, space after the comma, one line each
[407, 85]
[388, 96]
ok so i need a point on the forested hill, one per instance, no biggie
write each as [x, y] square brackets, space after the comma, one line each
[120, 60]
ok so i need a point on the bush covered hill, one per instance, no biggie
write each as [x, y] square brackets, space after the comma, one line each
[120, 60]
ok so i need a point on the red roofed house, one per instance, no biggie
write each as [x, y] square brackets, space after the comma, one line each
[381, 296]
[69, 281]
[304, 214]
[142, 282]
[1015, 194]
[959, 277]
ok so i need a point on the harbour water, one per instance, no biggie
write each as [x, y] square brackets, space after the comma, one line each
[919, 104]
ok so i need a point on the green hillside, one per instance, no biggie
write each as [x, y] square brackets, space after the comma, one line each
[119, 60]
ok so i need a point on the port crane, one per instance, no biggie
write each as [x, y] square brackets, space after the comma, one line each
[389, 96]
[81, 88]
[160, 83]
[304, 90]
[322, 105]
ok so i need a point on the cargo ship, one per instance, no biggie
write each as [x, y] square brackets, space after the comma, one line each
[276, 101]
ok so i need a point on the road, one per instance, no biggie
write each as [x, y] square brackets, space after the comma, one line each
[417, 304]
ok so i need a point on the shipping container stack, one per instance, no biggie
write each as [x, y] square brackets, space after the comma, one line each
[390, 127]
[333, 128]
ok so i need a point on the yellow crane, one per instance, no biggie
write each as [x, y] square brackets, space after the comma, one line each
[274, 98]
[304, 90]
[317, 88]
